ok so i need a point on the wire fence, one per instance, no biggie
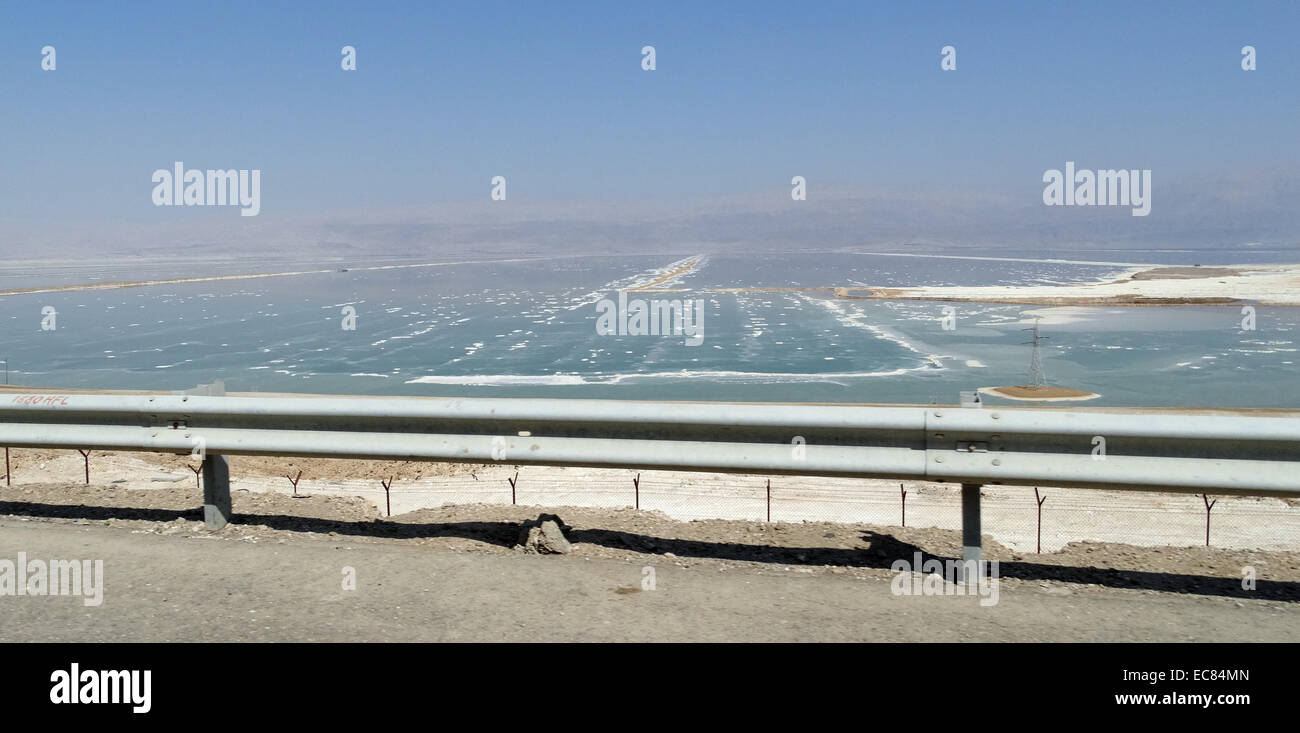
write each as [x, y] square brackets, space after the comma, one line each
[1021, 518]
[1011, 515]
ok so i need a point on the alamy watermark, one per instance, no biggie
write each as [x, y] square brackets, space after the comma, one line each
[1099, 188]
[77, 686]
[180, 187]
[656, 317]
[53, 578]
[936, 577]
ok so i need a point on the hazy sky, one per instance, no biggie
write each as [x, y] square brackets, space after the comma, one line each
[552, 95]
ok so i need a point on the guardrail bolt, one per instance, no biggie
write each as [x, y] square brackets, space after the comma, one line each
[85, 454]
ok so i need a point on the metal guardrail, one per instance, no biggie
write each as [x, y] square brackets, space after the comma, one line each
[1239, 454]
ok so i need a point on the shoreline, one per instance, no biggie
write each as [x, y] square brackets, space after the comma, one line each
[120, 284]
[11, 391]
[1137, 286]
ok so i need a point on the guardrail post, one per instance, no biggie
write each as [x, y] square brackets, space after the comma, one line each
[216, 491]
[971, 543]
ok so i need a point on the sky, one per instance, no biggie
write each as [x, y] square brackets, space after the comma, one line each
[553, 97]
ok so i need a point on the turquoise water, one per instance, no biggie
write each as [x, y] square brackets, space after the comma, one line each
[528, 328]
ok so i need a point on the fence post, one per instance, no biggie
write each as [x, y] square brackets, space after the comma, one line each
[1040, 519]
[904, 492]
[1208, 506]
[216, 491]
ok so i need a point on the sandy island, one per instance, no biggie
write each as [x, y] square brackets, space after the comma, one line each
[1039, 394]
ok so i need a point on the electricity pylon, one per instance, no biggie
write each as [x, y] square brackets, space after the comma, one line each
[1036, 376]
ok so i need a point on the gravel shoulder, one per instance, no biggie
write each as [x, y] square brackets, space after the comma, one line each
[192, 586]
[452, 573]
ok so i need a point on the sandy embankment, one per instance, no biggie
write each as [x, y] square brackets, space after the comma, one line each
[685, 268]
[1070, 515]
[1256, 284]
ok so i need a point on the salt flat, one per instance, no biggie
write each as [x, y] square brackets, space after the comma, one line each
[1258, 284]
